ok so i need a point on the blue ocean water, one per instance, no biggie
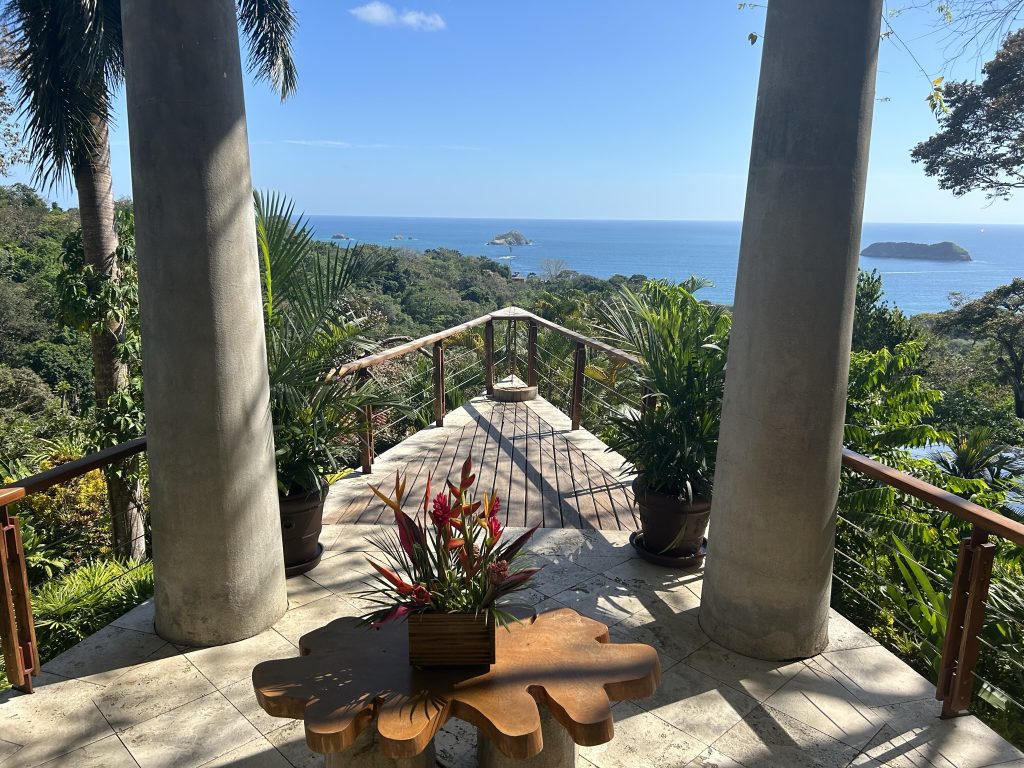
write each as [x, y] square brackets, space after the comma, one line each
[678, 249]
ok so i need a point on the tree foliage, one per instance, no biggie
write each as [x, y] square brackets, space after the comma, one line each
[999, 317]
[980, 144]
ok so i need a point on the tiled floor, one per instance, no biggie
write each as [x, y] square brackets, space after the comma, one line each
[126, 698]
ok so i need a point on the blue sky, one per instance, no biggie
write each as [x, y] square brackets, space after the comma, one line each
[567, 109]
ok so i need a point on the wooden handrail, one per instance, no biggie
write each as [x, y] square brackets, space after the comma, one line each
[991, 522]
[403, 349]
[516, 313]
[11, 495]
[78, 467]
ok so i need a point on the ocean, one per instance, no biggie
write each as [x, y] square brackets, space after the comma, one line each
[678, 249]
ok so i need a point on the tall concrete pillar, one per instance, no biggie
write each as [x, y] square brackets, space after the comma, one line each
[217, 554]
[769, 566]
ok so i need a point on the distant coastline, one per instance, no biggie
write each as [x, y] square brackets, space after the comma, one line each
[677, 249]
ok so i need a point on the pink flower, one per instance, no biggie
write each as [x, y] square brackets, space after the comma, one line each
[442, 513]
[421, 594]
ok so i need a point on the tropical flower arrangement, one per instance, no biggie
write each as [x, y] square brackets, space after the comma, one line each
[448, 558]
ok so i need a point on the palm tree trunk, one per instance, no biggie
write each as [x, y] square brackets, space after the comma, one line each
[99, 242]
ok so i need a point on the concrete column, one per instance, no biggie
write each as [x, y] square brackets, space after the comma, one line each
[217, 551]
[769, 566]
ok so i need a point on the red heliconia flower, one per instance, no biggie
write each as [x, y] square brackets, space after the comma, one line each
[442, 513]
[456, 543]
[494, 526]
[495, 505]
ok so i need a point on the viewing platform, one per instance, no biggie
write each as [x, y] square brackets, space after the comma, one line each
[545, 473]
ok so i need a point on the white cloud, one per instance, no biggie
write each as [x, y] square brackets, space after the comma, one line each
[381, 14]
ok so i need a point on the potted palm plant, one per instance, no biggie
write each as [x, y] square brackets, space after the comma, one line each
[672, 442]
[310, 329]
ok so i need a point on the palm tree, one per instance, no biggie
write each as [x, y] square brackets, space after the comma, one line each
[69, 62]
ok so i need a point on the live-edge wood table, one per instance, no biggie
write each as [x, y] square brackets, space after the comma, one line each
[549, 690]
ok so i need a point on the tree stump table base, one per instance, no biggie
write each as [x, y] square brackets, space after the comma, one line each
[559, 750]
[549, 689]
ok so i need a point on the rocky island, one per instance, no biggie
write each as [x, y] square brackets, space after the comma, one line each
[512, 237]
[945, 251]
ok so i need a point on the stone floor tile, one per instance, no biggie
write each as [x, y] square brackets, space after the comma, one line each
[767, 737]
[7, 748]
[455, 744]
[243, 698]
[844, 635]
[896, 748]
[106, 655]
[302, 590]
[558, 574]
[294, 624]
[875, 676]
[190, 735]
[698, 704]
[559, 541]
[620, 633]
[820, 701]
[642, 739]
[675, 635]
[963, 742]
[757, 678]
[345, 574]
[712, 758]
[58, 718]
[637, 575]
[140, 618]
[291, 742]
[105, 753]
[605, 601]
[227, 664]
[164, 682]
[259, 753]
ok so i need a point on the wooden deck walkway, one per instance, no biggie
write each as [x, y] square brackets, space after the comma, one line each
[544, 473]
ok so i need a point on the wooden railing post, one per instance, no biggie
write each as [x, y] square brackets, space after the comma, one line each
[510, 348]
[17, 627]
[489, 356]
[578, 369]
[366, 438]
[531, 355]
[964, 624]
[439, 405]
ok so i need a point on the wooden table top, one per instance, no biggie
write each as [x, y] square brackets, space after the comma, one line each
[349, 675]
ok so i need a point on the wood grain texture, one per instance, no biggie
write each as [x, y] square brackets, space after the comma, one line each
[349, 677]
[543, 471]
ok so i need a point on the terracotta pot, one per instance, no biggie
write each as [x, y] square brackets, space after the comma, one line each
[302, 519]
[671, 527]
[451, 639]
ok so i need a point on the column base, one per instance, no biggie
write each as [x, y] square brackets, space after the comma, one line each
[365, 753]
[559, 750]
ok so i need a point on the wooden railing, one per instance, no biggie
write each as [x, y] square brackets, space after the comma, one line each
[17, 626]
[967, 604]
[436, 341]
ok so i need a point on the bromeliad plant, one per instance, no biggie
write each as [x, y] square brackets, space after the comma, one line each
[450, 560]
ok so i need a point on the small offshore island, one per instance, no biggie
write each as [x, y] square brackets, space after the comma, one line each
[944, 251]
[512, 237]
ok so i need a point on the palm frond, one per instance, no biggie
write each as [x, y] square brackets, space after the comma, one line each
[269, 26]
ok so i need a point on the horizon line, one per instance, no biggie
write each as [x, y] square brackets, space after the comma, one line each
[981, 224]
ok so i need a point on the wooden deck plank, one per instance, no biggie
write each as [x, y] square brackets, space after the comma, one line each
[544, 473]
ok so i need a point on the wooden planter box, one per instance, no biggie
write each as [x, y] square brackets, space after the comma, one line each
[450, 639]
